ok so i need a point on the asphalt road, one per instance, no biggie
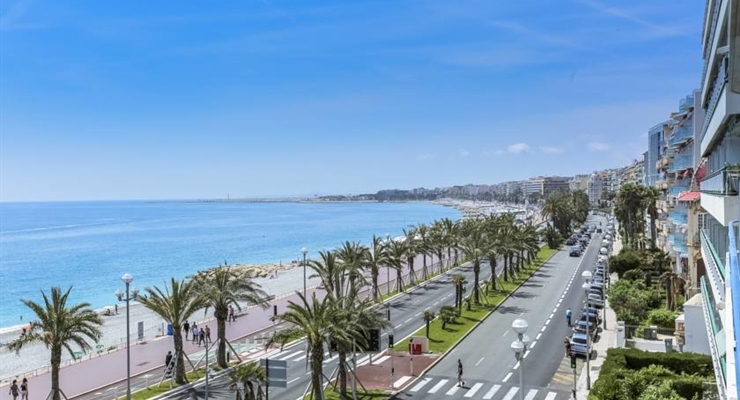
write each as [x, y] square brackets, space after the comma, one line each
[406, 317]
[490, 368]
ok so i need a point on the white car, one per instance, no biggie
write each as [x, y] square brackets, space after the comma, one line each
[601, 259]
[608, 237]
[604, 251]
[594, 300]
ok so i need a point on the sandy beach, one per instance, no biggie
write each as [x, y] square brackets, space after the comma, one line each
[35, 359]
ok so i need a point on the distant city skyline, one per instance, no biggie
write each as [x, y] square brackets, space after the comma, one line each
[117, 101]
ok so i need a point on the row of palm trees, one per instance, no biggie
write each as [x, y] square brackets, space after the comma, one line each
[342, 319]
[633, 203]
[564, 209]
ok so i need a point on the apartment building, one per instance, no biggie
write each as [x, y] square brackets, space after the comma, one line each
[718, 139]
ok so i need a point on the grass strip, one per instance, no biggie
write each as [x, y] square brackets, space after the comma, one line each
[156, 389]
[441, 340]
[331, 394]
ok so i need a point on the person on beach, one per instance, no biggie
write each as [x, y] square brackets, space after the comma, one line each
[208, 334]
[202, 336]
[186, 329]
[14, 389]
[195, 333]
[24, 389]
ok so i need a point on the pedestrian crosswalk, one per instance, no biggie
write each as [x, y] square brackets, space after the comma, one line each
[437, 387]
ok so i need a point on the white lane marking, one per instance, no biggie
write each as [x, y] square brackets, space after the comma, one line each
[401, 381]
[291, 355]
[551, 396]
[479, 361]
[420, 385]
[506, 378]
[293, 380]
[516, 366]
[407, 321]
[512, 392]
[473, 390]
[551, 315]
[538, 336]
[505, 333]
[382, 359]
[300, 358]
[531, 394]
[438, 386]
[452, 390]
[435, 303]
[548, 321]
[543, 328]
[531, 346]
[494, 389]
[417, 314]
[397, 326]
[526, 354]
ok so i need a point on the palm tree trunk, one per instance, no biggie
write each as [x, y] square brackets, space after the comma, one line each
[476, 289]
[506, 268]
[342, 373]
[180, 370]
[493, 265]
[399, 281]
[424, 272]
[376, 290]
[317, 370]
[56, 360]
[412, 274]
[221, 332]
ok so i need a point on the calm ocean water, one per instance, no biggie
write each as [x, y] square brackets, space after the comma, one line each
[89, 245]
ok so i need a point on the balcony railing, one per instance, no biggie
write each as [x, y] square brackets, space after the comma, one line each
[715, 16]
[714, 265]
[681, 135]
[717, 88]
[686, 102]
[716, 337]
[722, 182]
[682, 162]
[677, 190]
[679, 218]
[734, 233]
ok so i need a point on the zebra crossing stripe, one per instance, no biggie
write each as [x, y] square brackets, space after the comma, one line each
[300, 358]
[473, 390]
[438, 386]
[421, 384]
[382, 359]
[551, 396]
[512, 392]
[489, 395]
[452, 390]
[531, 394]
[401, 381]
[291, 355]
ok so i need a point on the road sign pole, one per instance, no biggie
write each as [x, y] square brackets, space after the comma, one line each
[267, 376]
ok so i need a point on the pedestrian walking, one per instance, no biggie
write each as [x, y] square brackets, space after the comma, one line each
[195, 333]
[232, 315]
[208, 334]
[14, 389]
[202, 336]
[460, 381]
[186, 329]
[567, 346]
[168, 359]
[24, 389]
[568, 315]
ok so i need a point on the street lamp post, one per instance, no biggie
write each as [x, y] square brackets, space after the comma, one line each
[519, 346]
[388, 267]
[127, 279]
[586, 275]
[304, 251]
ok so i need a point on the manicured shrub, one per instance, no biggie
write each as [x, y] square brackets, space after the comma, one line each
[634, 275]
[662, 318]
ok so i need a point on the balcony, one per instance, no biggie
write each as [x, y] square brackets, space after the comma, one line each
[722, 105]
[682, 162]
[681, 135]
[714, 266]
[734, 305]
[675, 191]
[686, 103]
[679, 218]
[716, 334]
[719, 195]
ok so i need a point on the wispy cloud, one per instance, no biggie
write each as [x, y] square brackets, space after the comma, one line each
[424, 156]
[551, 149]
[623, 14]
[597, 146]
[463, 153]
[12, 19]
[518, 148]
[532, 35]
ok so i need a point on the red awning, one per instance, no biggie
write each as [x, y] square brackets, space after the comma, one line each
[689, 196]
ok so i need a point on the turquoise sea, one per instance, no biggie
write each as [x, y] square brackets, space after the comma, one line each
[89, 245]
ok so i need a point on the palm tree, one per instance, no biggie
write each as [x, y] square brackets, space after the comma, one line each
[458, 280]
[667, 280]
[375, 258]
[248, 377]
[424, 248]
[650, 203]
[352, 257]
[446, 314]
[329, 270]
[59, 327]
[437, 245]
[412, 248]
[428, 318]
[396, 254]
[449, 230]
[175, 305]
[223, 287]
[473, 244]
[317, 321]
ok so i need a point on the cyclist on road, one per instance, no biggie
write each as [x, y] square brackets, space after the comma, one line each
[568, 314]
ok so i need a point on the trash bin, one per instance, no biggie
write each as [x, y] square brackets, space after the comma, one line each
[170, 331]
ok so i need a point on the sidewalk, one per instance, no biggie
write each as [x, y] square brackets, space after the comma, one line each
[607, 340]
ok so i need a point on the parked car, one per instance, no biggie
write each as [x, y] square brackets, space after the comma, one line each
[603, 251]
[591, 311]
[592, 319]
[570, 242]
[608, 237]
[598, 230]
[595, 300]
[575, 251]
[579, 345]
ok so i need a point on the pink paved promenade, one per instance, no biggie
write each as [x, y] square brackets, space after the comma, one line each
[97, 372]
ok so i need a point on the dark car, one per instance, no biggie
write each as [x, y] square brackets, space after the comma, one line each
[575, 251]
[594, 319]
[580, 327]
[570, 242]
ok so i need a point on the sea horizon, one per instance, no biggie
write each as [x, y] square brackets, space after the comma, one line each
[89, 244]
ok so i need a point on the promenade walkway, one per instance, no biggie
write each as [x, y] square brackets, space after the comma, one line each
[91, 375]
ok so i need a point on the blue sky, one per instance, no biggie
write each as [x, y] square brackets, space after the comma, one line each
[165, 100]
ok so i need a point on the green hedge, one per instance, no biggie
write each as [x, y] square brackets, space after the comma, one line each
[627, 372]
